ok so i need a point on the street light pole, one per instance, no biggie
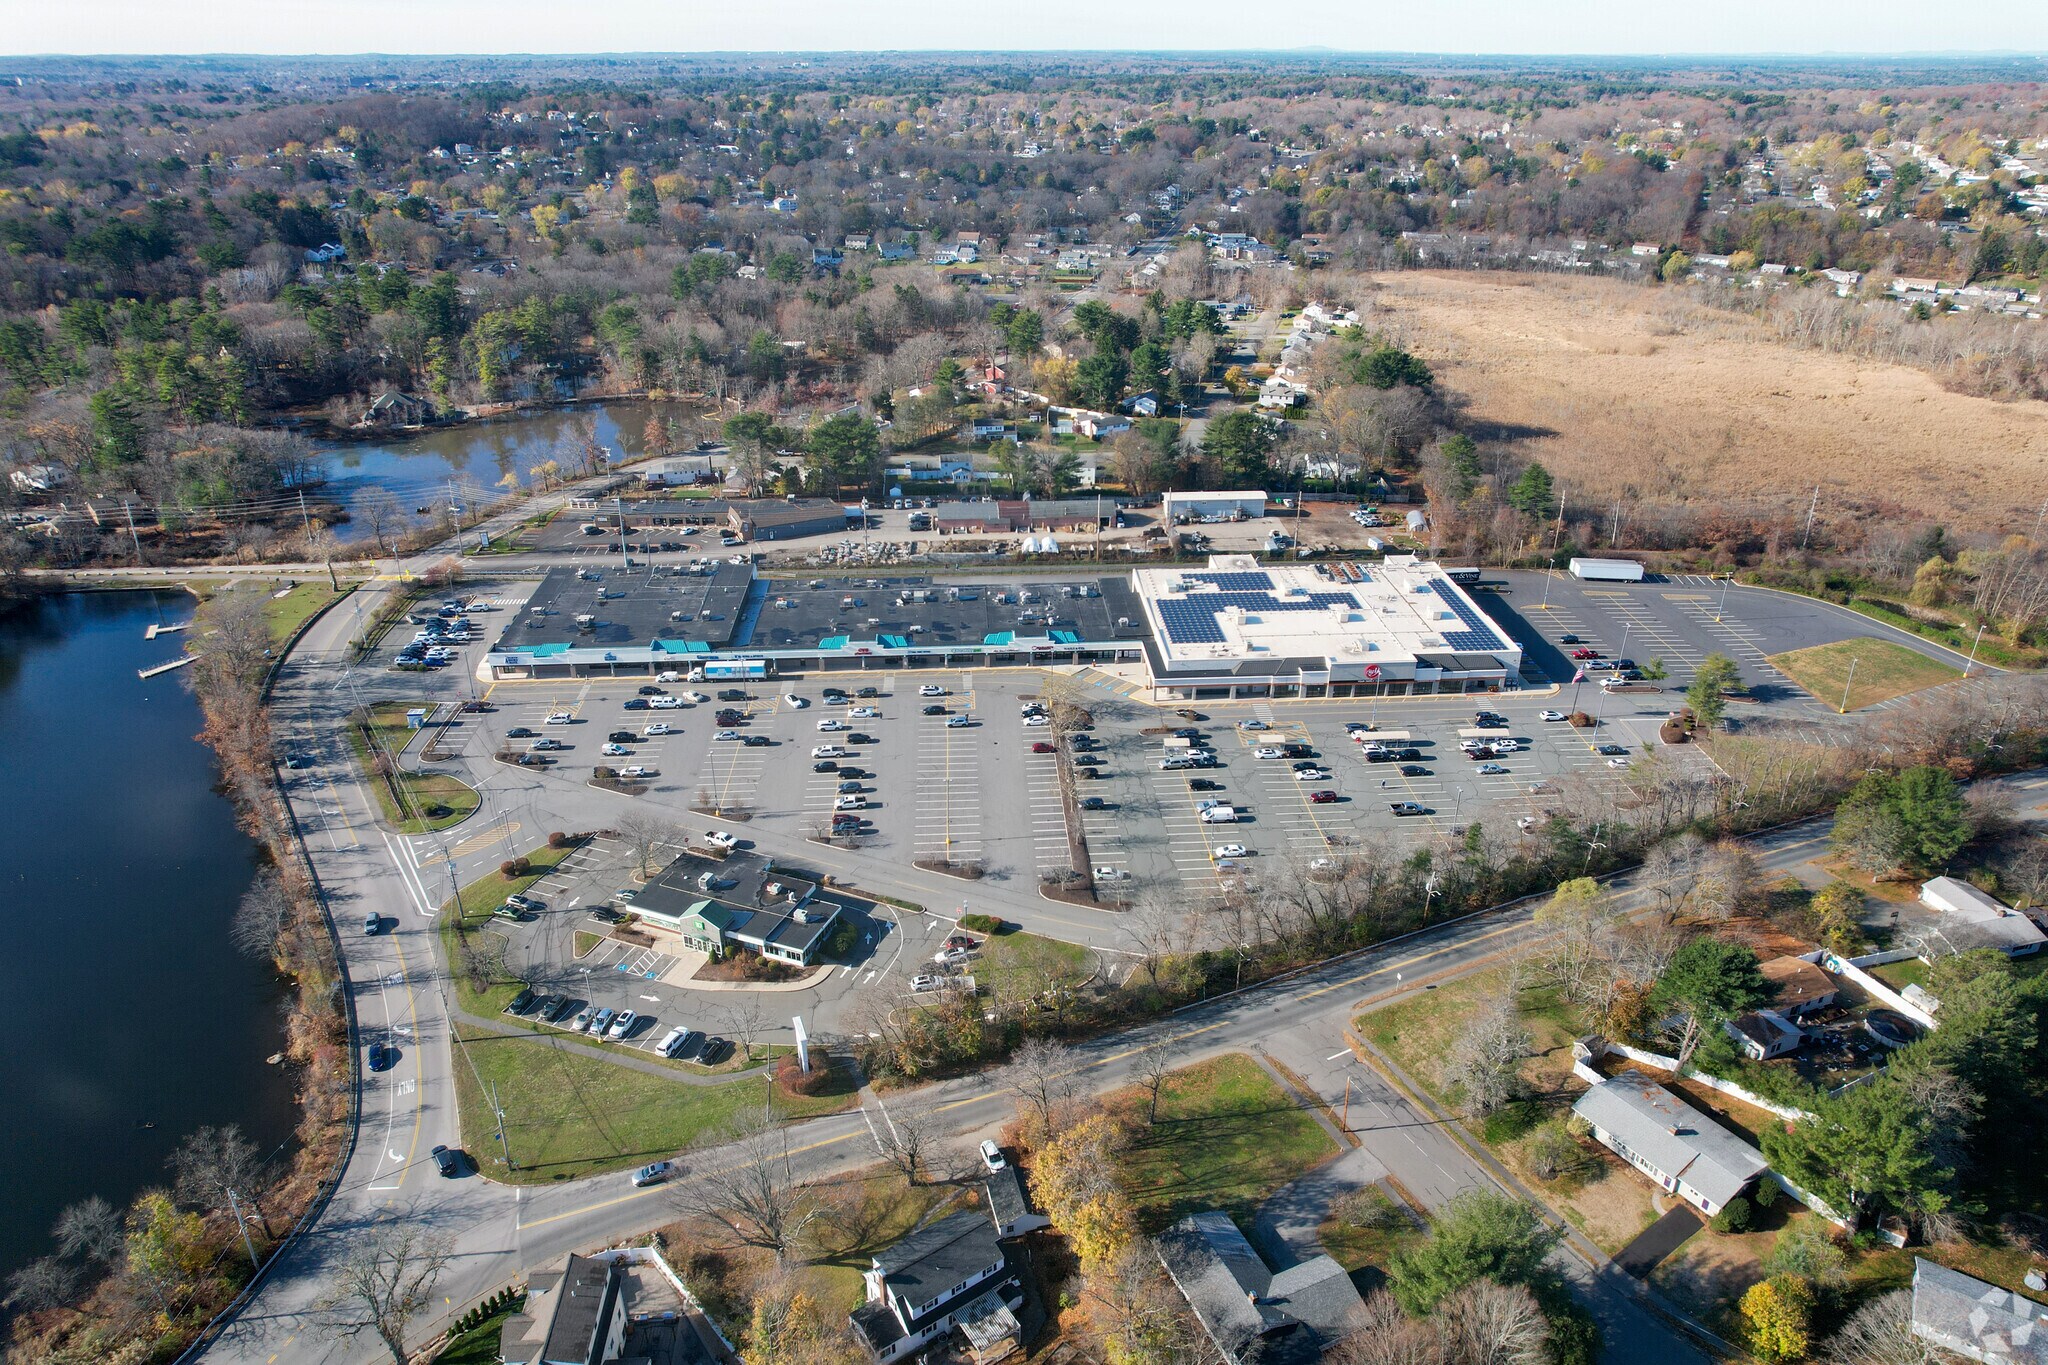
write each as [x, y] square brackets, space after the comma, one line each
[1847, 683]
[1722, 610]
[1972, 664]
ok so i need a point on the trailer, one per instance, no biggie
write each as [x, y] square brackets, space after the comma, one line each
[1607, 570]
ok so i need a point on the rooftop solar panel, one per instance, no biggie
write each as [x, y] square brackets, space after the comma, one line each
[1255, 581]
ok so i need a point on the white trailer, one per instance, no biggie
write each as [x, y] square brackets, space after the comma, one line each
[1607, 570]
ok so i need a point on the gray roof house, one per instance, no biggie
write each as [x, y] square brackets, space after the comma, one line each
[572, 1317]
[1249, 1311]
[1668, 1140]
[1971, 919]
[1976, 1320]
[955, 1273]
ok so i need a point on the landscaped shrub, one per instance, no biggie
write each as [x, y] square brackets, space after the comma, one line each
[793, 1079]
[514, 868]
[981, 924]
[1733, 1217]
[1766, 1193]
[557, 839]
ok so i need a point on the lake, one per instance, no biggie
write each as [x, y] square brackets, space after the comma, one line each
[476, 457]
[128, 1019]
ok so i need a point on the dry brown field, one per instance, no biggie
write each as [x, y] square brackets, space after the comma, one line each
[1642, 393]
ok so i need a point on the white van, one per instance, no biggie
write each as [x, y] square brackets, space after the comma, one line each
[676, 1041]
[1220, 815]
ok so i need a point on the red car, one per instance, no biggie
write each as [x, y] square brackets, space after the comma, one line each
[1585, 654]
[1322, 798]
[1041, 747]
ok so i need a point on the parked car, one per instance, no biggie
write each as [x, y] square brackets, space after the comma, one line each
[957, 722]
[560, 717]
[520, 732]
[829, 725]
[794, 702]
[657, 729]
[622, 1025]
[520, 1003]
[1232, 851]
[1268, 751]
[931, 690]
[1253, 725]
[1414, 770]
[1492, 770]
[615, 750]
[677, 1041]
[525, 903]
[731, 736]
[1041, 747]
[719, 838]
[1203, 784]
[636, 704]
[756, 741]
[864, 713]
[637, 772]
[992, 1156]
[1322, 798]
[1093, 803]
[935, 710]
[1612, 749]
[601, 1022]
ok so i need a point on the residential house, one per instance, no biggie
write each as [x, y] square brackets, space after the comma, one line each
[572, 1316]
[395, 409]
[1668, 1140]
[1764, 1034]
[1975, 1319]
[933, 469]
[1798, 987]
[1970, 919]
[1084, 422]
[897, 251]
[39, 478]
[855, 241]
[1249, 1312]
[955, 1273]
[1141, 405]
[743, 901]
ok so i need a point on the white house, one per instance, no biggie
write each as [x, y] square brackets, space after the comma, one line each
[1971, 919]
[1669, 1141]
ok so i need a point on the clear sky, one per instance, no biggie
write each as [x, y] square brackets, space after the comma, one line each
[571, 26]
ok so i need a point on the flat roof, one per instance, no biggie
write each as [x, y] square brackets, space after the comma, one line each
[631, 608]
[1400, 614]
[730, 611]
[749, 897]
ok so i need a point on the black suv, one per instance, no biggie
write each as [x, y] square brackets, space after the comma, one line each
[732, 694]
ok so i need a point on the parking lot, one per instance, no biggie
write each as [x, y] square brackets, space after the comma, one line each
[975, 792]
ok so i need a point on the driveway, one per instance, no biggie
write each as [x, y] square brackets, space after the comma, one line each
[1659, 1240]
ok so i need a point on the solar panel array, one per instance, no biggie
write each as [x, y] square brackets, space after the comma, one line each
[1255, 581]
[1192, 620]
[1478, 636]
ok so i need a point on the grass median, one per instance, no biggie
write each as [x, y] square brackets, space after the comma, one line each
[1883, 670]
[410, 802]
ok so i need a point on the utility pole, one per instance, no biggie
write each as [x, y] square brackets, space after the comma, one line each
[132, 536]
[1806, 537]
[619, 506]
[1556, 535]
[1726, 583]
[1969, 667]
[2036, 536]
[247, 1244]
[1347, 1104]
[498, 1113]
[305, 516]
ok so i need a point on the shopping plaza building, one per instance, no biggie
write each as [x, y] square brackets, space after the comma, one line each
[1233, 629]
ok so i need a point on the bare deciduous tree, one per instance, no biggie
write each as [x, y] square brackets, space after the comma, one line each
[1153, 1064]
[45, 1283]
[1879, 1333]
[90, 1230]
[754, 1193]
[908, 1137]
[1042, 1075]
[1483, 1062]
[646, 835]
[260, 916]
[385, 1282]
[1495, 1324]
[746, 1020]
[219, 1168]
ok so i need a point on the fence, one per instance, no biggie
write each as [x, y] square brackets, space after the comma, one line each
[1871, 986]
[1596, 1046]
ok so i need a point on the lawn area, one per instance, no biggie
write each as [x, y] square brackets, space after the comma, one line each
[479, 1345]
[1227, 1137]
[1369, 1227]
[567, 1115]
[286, 614]
[1899, 975]
[1015, 965]
[1883, 670]
[411, 803]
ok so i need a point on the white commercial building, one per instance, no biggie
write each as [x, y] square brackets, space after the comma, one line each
[1215, 506]
[1241, 629]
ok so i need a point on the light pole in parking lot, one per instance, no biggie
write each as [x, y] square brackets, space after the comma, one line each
[1970, 667]
[1847, 683]
[1721, 610]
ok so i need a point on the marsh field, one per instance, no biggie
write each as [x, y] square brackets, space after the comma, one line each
[1650, 394]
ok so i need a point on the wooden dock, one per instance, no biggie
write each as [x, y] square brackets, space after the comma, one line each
[178, 662]
[153, 631]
